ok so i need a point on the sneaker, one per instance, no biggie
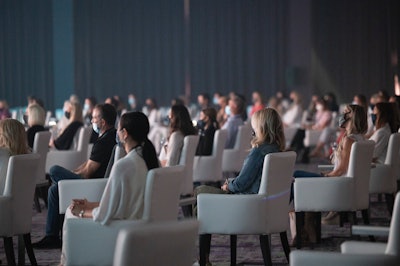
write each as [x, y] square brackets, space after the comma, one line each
[48, 242]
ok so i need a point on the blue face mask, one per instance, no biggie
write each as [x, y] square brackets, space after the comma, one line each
[215, 101]
[117, 140]
[131, 101]
[96, 128]
[86, 107]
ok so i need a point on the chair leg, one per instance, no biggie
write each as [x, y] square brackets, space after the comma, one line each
[285, 244]
[204, 246]
[365, 216]
[36, 200]
[9, 248]
[317, 216]
[299, 228]
[265, 249]
[389, 202]
[29, 249]
[233, 249]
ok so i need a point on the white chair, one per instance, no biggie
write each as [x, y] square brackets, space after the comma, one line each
[81, 241]
[343, 193]
[41, 147]
[232, 159]
[261, 214]
[117, 153]
[151, 244]
[383, 176]
[16, 203]
[209, 168]
[71, 159]
[357, 253]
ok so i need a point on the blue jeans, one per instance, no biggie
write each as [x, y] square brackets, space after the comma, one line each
[53, 223]
[300, 174]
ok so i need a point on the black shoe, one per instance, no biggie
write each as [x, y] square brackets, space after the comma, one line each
[48, 242]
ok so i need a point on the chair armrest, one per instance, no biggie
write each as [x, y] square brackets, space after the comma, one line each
[68, 159]
[82, 245]
[361, 248]
[323, 194]
[203, 166]
[237, 214]
[187, 201]
[90, 189]
[317, 258]
[364, 230]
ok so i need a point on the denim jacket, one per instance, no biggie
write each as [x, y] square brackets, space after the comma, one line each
[249, 179]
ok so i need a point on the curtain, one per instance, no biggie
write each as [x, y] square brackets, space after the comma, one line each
[124, 47]
[238, 45]
[26, 55]
[352, 46]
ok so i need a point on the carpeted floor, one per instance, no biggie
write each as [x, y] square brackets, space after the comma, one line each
[248, 251]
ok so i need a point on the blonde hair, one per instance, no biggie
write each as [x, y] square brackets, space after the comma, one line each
[268, 127]
[36, 115]
[76, 112]
[13, 136]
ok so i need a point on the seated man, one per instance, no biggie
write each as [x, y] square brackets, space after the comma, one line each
[103, 121]
[236, 106]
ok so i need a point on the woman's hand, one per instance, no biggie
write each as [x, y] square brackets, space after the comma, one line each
[225, 186]
[77, 206]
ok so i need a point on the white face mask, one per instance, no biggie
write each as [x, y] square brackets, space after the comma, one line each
[318, 107]
[96, 128]
[228, 110]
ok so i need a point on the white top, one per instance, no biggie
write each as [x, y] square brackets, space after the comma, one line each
[381, 138]
[293, 116]
[4, 158]
[123, 196]
[171, 152]
[336, 157]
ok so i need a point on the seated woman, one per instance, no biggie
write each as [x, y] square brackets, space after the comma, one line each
[180, 126]
[123, 196]
[385, 125]
[75, 121]
[354, 121]
[36, 120]
[268, 138]
[12, 142]
[207, 125]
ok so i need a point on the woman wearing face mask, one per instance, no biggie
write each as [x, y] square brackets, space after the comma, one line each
[384, 116]
[206, 126]
[123, 196]
[354, 121]
[66, 137]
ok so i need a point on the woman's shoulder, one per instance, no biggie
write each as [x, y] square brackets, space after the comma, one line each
[265, 148]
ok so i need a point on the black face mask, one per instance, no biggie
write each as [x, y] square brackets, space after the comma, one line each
[67, 114]
[342, 120]
[373, 118]
[25, 118]
[201, 124]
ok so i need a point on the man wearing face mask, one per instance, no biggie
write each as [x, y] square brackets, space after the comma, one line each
[103, 121]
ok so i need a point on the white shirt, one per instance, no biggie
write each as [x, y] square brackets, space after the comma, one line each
[381, 138]
[293, 116]
[123, 196]
[171, 152]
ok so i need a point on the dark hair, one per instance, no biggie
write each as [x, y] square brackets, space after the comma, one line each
[240, 102]
[180, 120]
[387, 114]
[137, 126]
[359, 119]
[205, 95]
[92, 100]
[108, 113]
[211, 113]
[363, 100]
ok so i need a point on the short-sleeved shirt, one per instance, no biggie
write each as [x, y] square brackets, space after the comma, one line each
[101, 151]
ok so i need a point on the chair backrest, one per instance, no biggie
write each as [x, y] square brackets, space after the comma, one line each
[75, 140]
[84, 138]
[162, 193]
[154, 244]
[187, 158]
[393, 245]
[117, 153]
[392, 154]
[360, 169]
[243, 138]
[275, 184]
[41, 147]
[20, 186]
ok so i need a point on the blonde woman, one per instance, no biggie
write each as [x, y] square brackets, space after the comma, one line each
[75, 121]
[268, 138]
[36, 120]
[12, 142]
